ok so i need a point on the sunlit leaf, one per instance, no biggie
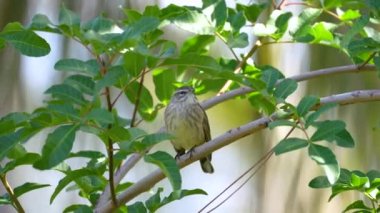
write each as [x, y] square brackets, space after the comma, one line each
[324, 157]
[164, 80]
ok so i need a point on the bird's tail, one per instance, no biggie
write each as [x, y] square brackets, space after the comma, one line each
[206, 164]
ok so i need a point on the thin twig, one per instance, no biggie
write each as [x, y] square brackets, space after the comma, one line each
[236, 180]
[103, 71]
[368, 60]
[259, 166]
[256, 166]
[279, 6]
[225, 42]
[137, 101]
[11, 194]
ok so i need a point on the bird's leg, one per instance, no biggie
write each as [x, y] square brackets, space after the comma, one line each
[179, 153]
[191, 151]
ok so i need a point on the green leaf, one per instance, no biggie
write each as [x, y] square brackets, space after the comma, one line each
[68, 17]
[321, 32]
[87, 154]
[281, 24]
[134, 63]
[290, 144]
[350, 15]
[270, 76]
[251, 12]
[310, 119]
[99, 24]
[263, 30]
[66, 93]
[324, 157]
[137, 207]
[27, 187]
[57, 147]
[197, 44]
[236, 20]
[239, 40]
[306, 104]
[155, 202]
[359, 181]
[100, 115]
[219, 11]
[164, 80]
[343, 139]
[376, 61]
[27, 159]
[285, 88]
[78, 208]
[25, 41]
[357, 205]
[7, 142]
[205, 63]
[83, 83]
[301, 30]
[116, 76]
[42, 22]
[119, 134]
[327, 129]
[357, 27]
[143, 25]
[168, 166]
[75, 65]
[145, 106]
[277, 123]
[71, 176]
[152, 139]
[320, 182]
[188, 19]
[5, 200]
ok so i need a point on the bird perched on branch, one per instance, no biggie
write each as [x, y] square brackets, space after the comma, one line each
[186, 120]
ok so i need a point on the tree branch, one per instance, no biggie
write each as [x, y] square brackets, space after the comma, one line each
[302, 77]
[227, 138]
[131, 162]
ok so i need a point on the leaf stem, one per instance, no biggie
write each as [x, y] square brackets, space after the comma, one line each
[16, 202]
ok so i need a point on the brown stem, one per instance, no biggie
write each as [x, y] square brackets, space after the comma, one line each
[367, 61]
[240, 66]
[137, 101]
[103, 71]
[13, 197]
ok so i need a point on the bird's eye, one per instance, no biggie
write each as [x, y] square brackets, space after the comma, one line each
[182, 93]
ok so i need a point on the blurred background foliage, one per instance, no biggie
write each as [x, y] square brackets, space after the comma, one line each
[280, 186]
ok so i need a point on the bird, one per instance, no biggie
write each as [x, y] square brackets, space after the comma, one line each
[186, 120]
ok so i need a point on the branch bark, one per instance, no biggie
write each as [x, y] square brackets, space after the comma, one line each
[131, 162]
[227, 138]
